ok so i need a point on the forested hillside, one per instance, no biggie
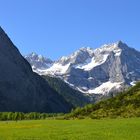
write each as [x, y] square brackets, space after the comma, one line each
[71, 95]
[126, 104]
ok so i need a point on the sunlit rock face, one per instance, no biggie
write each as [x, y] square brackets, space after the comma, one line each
[107, 69]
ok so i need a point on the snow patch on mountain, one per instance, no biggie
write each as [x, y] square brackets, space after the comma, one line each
[105, 88]
[93, 63]
[133, 83]
[57, 69]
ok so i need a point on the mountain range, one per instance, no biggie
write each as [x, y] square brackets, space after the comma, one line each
[34, 83]
[103, 71]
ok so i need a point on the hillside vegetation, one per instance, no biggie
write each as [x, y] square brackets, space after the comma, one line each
[126, 104]
[71, 95]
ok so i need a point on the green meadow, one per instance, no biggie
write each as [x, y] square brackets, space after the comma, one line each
[87, 129]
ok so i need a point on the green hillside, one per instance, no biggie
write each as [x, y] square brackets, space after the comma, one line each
[126, 104]
[72, 96]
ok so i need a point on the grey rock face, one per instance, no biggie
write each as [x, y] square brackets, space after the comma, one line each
[109, 68]
[20, 88]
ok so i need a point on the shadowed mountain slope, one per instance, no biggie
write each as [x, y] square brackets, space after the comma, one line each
[20, 88]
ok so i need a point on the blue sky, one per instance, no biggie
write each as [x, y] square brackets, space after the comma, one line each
[58, 27]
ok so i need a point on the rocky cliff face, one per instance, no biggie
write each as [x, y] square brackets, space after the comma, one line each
[20, 88]
[108, 69]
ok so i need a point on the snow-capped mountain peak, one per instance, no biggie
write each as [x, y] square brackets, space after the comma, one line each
[107, 48]
[37, 57]
[77, 57]
[109, 68]
[33, 54]
[39, 63]
[87, 49]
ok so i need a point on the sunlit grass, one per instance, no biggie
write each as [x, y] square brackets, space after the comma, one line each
[107, 129]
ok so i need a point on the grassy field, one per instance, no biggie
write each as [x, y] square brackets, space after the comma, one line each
[107, 129]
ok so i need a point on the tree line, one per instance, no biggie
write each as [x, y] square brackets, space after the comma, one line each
[15, 116]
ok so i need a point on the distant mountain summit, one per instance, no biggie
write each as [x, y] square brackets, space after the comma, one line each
[21, 89]
[38, 62]
[107, 69]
